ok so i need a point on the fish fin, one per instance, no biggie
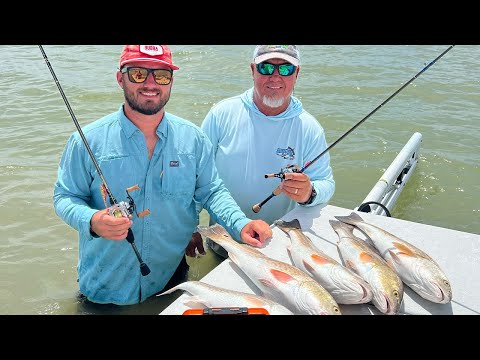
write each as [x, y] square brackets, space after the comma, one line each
[254, 301]
[393, 261]
[394, 256]
[266, 283]
[321, 260]
[289, 250]
[285, 226]
[309, 267]
[196, 301]
[365, 257]
[350, 265]
[281, 276]
[352, 219]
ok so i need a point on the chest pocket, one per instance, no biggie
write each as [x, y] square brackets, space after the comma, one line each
[179, 175]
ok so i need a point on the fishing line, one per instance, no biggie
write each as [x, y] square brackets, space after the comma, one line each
[113, 202]
[257, 207]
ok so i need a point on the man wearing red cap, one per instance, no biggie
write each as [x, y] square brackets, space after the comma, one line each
[171, 161]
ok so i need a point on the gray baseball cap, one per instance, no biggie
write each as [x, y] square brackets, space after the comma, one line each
[289, 53]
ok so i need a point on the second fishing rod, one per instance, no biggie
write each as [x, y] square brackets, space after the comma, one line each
[116, 209]
[278, 190]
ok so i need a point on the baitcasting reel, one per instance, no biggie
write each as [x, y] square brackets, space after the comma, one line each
[283, 171]
[126, 209]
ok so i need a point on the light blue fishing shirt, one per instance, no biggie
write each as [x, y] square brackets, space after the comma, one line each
[249, 144]
[180, 175]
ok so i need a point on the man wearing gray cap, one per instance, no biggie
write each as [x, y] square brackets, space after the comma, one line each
[263, 130]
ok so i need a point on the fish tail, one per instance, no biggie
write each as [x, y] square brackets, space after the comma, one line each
[351, 219]
[335, 224]
[191, 287]
[215, 232]
[340, 226]
[171, 290]
[342, 229]
[288, 225]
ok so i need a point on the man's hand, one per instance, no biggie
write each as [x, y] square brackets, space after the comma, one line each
[195, 243]
[297, 186]
[110, 227]
[256, 232]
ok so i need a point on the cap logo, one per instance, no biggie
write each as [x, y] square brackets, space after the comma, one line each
[278, 46]
[152, 50]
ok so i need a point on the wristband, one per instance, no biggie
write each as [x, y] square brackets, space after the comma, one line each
[311, 198]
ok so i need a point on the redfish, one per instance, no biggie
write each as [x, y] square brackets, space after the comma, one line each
[387, 287]
[415, 267]
[214, 296]
[278, 281]
[345, 286]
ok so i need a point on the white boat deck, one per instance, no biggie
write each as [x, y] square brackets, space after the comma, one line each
[457, 253]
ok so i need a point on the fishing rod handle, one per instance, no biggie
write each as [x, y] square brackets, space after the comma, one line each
[144, 269]
[257, 207]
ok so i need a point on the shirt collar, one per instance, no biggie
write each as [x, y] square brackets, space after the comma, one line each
[129, 128]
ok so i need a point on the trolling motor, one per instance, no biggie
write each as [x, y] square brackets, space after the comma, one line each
[116, 209]
[257, 207]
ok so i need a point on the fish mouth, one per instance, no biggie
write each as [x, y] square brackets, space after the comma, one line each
[389, 309]
[367, 295]
[439, 296]
[443, 296]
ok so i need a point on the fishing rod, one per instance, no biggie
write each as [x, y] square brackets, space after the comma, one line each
[257, 207]
[117, 209]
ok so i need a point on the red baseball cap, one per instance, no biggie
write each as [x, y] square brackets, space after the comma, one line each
[156, 53]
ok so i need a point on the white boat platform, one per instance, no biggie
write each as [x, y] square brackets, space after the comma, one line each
[457, 253]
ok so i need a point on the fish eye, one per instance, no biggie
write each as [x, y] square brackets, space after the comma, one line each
[396, 294]
[336, 309]
[446, 282]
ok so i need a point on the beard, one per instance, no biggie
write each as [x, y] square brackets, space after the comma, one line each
[273, 102]
[147, 108]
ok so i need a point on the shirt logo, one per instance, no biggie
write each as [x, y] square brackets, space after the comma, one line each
[174, 163]
[288, 153]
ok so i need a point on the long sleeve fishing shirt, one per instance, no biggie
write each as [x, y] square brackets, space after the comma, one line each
[180, 176]
[249, 144]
